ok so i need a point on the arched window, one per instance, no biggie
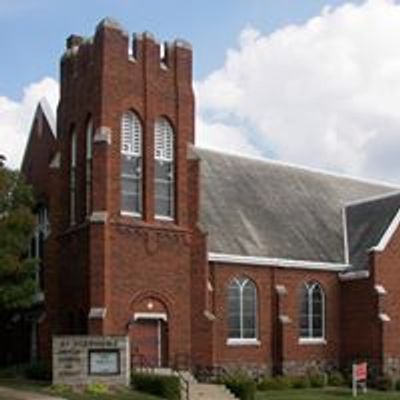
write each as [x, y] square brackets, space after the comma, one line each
[72, 177]
[89, 157]
[131, 164]
[242, 309]
[164, 169]
[312, 311]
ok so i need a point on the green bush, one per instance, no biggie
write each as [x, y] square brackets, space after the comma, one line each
[277, 383]
[384, 382]
[96, 388]
[38, 371]
[317, 380]
[242, 387]
[300, 382]
[335, 378]
[168, 387]
[60, 389]
[397, 385]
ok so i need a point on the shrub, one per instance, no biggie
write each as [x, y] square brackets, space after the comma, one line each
[397, 385]
[38, 371]
[384, 382]
[335, 378]
[317, 380]
[168, 387]
[277, 383]
[60, 389]
[244, 389]
[96, 388]
[300, 382]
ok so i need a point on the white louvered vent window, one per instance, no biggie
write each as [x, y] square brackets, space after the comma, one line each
[131, 164]
[131, 142]
[164, 169]
[164, 140]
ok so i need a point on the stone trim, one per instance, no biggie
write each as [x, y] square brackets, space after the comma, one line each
[97, 313]
[103, 135]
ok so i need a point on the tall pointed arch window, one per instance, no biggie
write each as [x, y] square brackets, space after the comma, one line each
[312, 312]
[89, 158]
[131, 164]
[242, 310]
[164, 195]
[72, 177]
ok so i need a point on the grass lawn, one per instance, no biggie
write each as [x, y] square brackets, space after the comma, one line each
[45, 389]
[323, 394]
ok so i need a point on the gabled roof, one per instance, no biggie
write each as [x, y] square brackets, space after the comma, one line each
[48, 113]
[39, 151]
[263, 208]
[367, 223]
[44, 113]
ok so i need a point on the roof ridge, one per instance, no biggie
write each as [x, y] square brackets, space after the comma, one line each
[372, 199]
[302, 167]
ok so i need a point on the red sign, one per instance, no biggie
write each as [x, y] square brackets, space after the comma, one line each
[360, 372]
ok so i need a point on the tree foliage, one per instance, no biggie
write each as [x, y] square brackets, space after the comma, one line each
[17, 271]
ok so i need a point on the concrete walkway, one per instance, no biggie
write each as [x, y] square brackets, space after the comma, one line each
[16, 394]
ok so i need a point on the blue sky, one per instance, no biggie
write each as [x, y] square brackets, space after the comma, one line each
[310, 82]
[32, 32]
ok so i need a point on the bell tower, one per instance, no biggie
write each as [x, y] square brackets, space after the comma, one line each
[124, 226]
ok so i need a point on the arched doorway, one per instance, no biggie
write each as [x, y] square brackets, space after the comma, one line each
[148, 333]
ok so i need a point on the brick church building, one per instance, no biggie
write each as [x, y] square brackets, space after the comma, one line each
[198, 255]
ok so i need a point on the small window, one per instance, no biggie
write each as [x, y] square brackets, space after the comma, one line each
[242, 309]
[164, 169]
[72, 204]
[312, 311]
[89, 167]
[36, 250]
[131, 164]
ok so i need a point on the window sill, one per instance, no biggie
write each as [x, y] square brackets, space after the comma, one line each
[312, 341]
[130, 214]
[243, 342]
[163, 218]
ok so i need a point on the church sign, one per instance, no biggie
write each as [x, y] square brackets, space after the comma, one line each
[82, 360]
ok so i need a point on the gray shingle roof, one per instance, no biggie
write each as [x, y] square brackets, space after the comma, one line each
[366, 224]
[264, 208]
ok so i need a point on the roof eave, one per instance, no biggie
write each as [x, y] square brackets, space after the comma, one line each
[277, 262]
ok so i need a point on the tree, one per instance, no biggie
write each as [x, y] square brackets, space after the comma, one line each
[17, 271]
[2, 160]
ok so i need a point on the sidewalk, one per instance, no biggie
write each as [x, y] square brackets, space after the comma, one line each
[14, 394]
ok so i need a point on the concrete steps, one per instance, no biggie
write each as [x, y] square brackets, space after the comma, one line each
[197, 391]
[205, 391]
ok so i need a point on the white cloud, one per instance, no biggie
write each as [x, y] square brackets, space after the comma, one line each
[325, 93]
[16, 118]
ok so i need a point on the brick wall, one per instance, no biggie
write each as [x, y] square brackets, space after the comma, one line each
[279, 349]
[386, 273]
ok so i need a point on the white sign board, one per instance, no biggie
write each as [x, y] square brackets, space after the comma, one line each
[104, 362]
